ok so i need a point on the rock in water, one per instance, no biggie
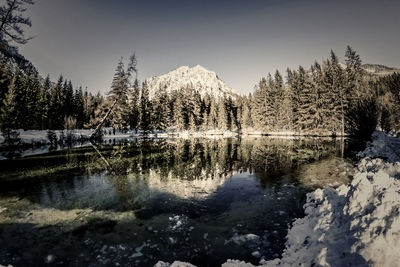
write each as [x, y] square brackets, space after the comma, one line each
[49, 259]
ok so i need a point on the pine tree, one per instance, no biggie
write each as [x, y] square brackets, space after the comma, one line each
[231, 110]
[9, 113]
[205, 124]
[353, 60]
[5, 79]
[188, 104]
[354, 85]
[134, 105]
[43, 104]
[12, 23]
[56, 114]
[280, 106]
[213, 114]
[145, 119]
[34, 112]
[293, 95]
[160, 114]
[306, 104]
[222, 119]
[119, 88]
[321, 102]
[387, 91]
[338, 89]
[178, 107]
[68, 99]
[286, 111]
[197, 108]
[79, 108]
[24, 95]
[260, 107]
[246, 118]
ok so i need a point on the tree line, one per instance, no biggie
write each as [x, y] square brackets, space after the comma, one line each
[29, 102]
[323, 100]
[328, 99]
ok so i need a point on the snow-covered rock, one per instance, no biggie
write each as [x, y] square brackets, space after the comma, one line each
[203, 81]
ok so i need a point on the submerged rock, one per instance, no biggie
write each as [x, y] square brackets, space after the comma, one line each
[245, 239]
[172, 240]
[174, 264]
[49, 259]
[135, 255]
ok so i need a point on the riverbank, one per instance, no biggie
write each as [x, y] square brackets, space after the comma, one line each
[41, 137]
[355, 224]
[35, 142]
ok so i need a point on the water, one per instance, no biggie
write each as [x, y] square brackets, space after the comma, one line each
[201, 201]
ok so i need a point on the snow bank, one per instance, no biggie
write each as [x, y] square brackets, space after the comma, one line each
[358, 224]
[41, 136]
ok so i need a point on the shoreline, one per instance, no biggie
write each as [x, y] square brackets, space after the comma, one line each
[36, 142]
[33, 137]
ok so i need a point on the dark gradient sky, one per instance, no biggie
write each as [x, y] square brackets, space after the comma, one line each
[240, 40]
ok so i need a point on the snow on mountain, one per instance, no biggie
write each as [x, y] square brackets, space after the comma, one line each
[203, 81]
[379, 70]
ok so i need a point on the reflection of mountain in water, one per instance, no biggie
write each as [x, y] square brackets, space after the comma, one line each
[198, 188]
[196, 168]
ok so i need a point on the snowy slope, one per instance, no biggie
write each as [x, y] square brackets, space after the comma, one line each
[353, 225]
[204, 81]
[379, 70]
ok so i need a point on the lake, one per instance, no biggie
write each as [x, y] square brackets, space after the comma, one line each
[134, 203]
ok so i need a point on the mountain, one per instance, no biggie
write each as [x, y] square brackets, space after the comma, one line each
[202, 80]
[379, 70]
[372, 70]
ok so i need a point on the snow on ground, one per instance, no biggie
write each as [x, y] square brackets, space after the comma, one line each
[353, 225]
[39, 143]
[41, 136]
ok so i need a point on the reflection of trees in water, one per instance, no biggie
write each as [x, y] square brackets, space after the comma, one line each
[274, 155]
[194, 159]
[195, 168]
[192, 168]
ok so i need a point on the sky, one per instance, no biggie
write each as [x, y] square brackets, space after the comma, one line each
[242, 41]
